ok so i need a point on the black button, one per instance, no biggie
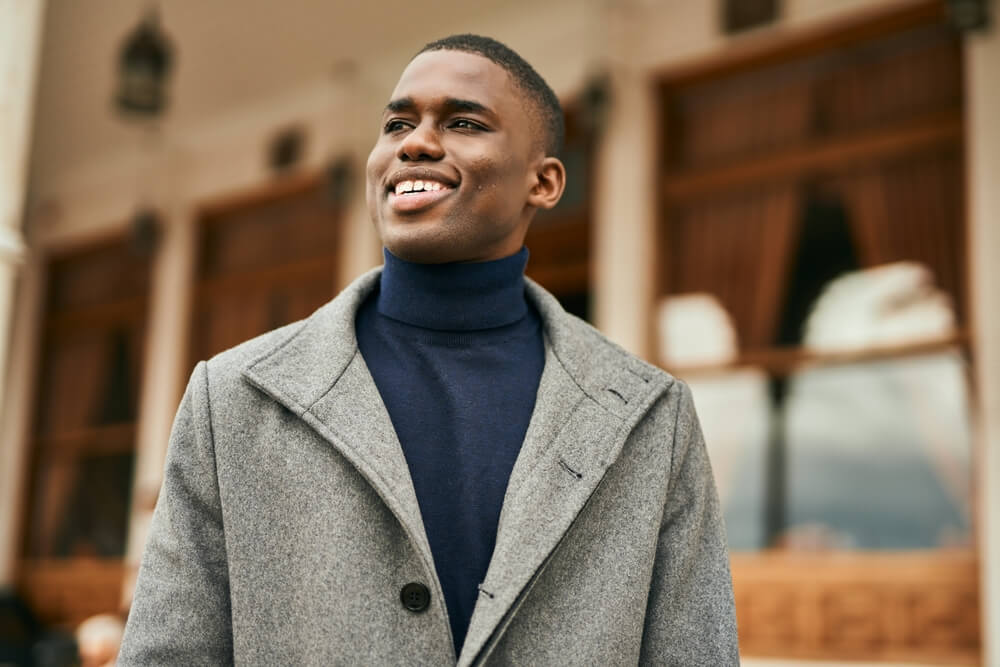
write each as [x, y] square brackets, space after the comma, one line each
[415, 596]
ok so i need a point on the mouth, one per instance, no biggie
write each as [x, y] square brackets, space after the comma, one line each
[408, 194]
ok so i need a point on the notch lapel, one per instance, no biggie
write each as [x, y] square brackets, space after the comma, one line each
[319, 374]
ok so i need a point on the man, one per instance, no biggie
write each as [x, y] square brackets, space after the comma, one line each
[439, 465]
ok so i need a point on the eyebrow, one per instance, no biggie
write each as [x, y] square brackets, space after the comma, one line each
[450, 103]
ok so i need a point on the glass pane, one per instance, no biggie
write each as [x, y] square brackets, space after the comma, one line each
[81, 507]
[879, 455]
[735, 413]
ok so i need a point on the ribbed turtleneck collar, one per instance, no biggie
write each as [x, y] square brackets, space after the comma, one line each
[454, 296]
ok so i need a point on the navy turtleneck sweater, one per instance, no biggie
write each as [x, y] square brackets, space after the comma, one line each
[456, 352]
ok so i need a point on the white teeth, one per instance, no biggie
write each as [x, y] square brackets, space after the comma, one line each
[418, 186]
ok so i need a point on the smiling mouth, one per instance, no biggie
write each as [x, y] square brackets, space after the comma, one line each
[417, 186]
[415, 195]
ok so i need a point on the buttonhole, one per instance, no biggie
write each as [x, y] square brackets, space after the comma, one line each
[566, 467]
[639, 375]
[484, 591]
[616, 393]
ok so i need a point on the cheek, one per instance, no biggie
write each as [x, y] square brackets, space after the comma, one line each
[374, 167]
[511, 185]
[375, 172]
[500, 176]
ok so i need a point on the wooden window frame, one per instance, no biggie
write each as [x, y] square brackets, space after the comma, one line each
[787, 600]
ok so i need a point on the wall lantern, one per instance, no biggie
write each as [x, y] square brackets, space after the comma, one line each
[340, 180]
[968, 15]
[595, 104]
[147, 227]
[143, 67]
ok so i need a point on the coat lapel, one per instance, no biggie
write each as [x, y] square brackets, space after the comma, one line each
[319, 374]
[590, 397]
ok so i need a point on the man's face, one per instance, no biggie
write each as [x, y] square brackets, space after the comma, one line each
[452, 175]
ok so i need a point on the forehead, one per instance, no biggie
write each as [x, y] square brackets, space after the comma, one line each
[438, 75]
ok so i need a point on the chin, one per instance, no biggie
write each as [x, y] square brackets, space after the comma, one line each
[422, 248]
[440, 241]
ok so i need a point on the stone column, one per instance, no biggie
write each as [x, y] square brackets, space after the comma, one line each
[165, 365]
[361, 246]
[982, 57]
[625, 212]
[20, 36]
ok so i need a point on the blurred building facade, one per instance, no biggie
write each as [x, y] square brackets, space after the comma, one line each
[791, 205]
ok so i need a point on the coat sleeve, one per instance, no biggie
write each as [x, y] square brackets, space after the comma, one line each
[180, 611]
[690, 617]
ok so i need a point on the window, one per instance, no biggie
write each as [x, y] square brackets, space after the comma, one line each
[812, 290]
[83, 441]
[263, 262]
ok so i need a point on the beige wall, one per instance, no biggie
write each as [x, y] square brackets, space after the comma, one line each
[20, 33]
[983, 174]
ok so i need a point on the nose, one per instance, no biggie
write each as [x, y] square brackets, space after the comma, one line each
[422, 143]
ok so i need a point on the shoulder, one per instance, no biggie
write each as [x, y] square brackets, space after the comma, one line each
[615, 378]
[302, 353]
[233, 360]
[583, 348]
[603, 352]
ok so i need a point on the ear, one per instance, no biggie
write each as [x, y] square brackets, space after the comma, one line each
[549, 184]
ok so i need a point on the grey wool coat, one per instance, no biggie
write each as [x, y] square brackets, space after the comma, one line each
[287, 523]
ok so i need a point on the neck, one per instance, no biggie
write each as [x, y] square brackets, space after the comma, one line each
[454, 296]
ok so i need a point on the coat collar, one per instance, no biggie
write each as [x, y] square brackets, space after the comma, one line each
[590, 396]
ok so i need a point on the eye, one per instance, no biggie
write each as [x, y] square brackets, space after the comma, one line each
[394, 125]
[466, 124]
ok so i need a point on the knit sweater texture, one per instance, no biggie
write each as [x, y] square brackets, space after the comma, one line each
[456, 352]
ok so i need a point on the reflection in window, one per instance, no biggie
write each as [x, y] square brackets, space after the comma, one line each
[877, 446]
[880, 452]
[879, 455]
[733, 407]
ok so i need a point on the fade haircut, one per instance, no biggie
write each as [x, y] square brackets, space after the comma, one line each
[548, 110]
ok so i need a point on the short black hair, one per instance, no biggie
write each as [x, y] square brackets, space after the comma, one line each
[524, 76]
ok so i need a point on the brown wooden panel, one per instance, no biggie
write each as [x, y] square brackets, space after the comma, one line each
[832, 34]
[107, 272]
[740, 119]
[556, 248]
[224, 318]
[265, 261]
[66, 592]
[882, 83]
[858, 606]
[817, 158]
[69, 444]
[82, 451]
[836, 93]
[293, 227]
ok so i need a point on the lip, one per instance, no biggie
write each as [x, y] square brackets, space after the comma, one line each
[417, 201]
